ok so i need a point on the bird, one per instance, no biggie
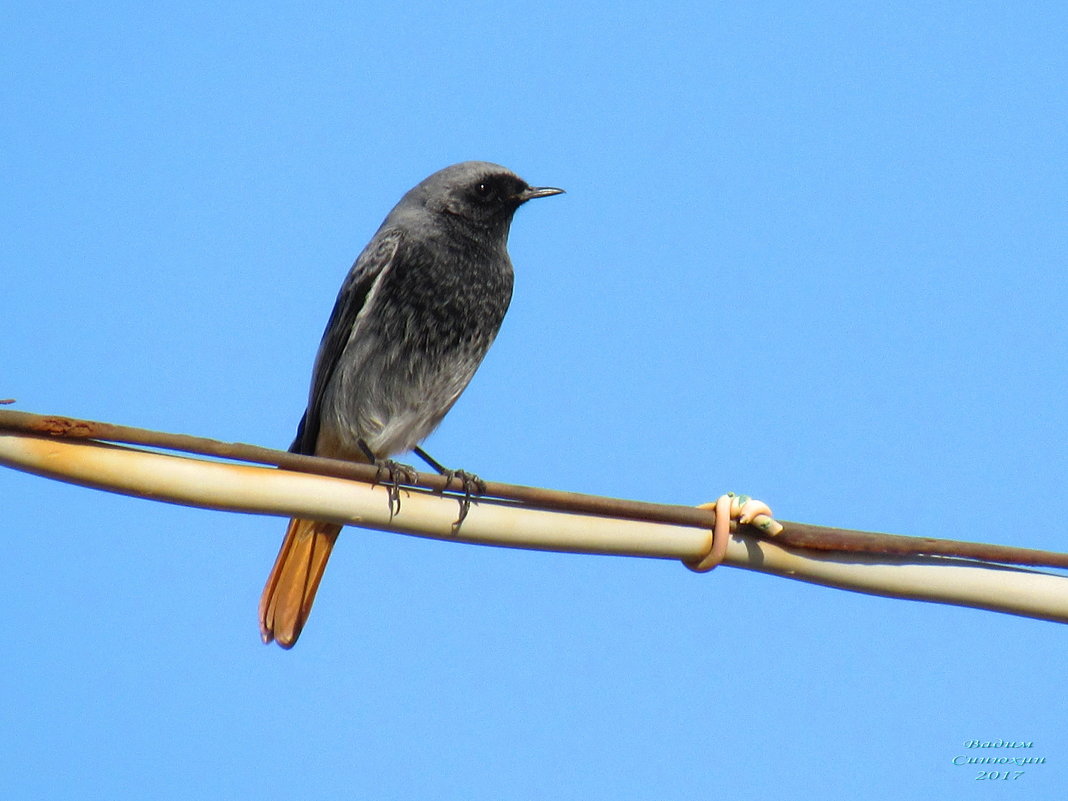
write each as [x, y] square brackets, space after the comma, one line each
[413, 320]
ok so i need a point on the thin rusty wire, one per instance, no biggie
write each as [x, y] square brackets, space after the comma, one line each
[795, 535]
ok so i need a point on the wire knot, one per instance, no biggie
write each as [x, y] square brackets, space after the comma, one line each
[730, 508]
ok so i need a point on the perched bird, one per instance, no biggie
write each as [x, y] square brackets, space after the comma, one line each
[412, 322]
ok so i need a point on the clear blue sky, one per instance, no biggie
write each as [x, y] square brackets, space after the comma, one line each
[867, 202]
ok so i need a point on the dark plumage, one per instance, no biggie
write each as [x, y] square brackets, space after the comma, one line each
[414, 319]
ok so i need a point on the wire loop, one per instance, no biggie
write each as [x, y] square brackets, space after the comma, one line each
[732, 508]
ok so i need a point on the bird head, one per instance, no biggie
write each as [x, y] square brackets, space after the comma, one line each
[477, 194]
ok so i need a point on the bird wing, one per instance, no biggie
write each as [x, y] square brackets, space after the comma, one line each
[370, 265]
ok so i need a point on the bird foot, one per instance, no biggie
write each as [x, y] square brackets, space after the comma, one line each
[392, 475]
[472, 487]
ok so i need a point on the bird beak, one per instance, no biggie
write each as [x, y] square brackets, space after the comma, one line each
[532, 192]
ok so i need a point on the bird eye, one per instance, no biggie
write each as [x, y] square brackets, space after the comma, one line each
[485, 192]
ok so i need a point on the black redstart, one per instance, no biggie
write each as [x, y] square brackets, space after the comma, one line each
[414, 319]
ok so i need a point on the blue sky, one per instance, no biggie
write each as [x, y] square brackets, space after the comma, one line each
[863, 206]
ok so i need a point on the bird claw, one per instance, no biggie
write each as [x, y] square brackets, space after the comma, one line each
[392, 475]
[472, 487]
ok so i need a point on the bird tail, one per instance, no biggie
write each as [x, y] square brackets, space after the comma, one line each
[290, 591]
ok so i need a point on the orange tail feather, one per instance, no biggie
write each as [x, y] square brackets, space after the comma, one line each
[287, 599]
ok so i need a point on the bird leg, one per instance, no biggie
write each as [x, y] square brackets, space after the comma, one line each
[390, 475]
[471, 485]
